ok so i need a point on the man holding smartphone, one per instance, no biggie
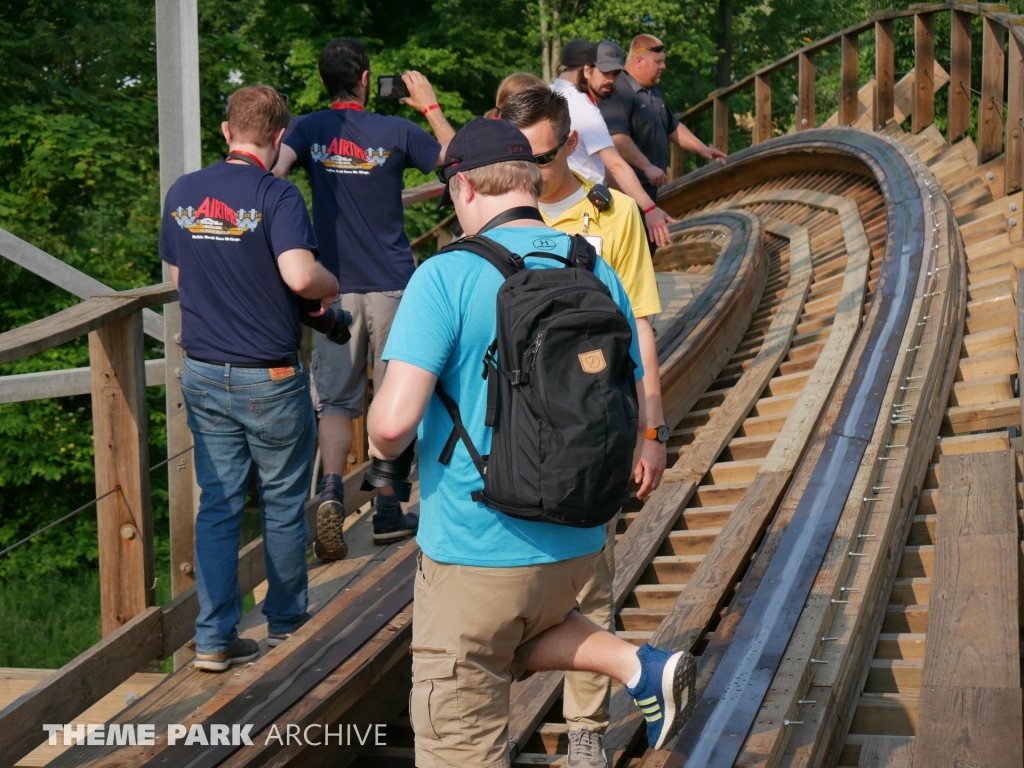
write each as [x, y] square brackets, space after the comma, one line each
[356, 160]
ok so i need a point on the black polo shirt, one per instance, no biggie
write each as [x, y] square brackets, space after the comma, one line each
[641, 114]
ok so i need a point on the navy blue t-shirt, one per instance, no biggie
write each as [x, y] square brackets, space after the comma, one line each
[224, 227]
[355, 161]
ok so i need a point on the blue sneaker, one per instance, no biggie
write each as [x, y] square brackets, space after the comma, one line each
[392, 525]
[665, 693]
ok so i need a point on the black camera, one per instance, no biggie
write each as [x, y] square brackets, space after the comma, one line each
[394, 473]
[333, 323]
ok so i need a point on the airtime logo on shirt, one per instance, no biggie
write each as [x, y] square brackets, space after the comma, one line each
[344, 155]
[214, 217]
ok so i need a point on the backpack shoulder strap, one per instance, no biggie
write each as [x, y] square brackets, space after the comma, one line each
[458, 431]
[582, 254]
[500, 257]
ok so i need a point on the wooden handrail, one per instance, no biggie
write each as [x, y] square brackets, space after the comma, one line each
[68, 324]
[993, 125]
[994, 12]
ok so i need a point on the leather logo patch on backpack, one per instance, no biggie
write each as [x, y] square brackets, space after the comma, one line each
[593, 362]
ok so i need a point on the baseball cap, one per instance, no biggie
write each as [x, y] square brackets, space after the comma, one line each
[606, 56]
[478, 143]
[576, 53]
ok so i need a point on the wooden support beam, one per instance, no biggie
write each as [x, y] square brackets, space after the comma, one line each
[848, 99]
[24, 387]
[763, 108]
[720, 119]
[120, 435]
[959, 113]
[990, 110]
[676, 162]
[805, 93]
[924, 71]
[885, 74]
[970, 711]
[177, 59]
[1013, 174]
[1020, 339]
[77, 685]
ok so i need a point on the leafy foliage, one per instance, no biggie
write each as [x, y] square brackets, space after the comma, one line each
[79, 165]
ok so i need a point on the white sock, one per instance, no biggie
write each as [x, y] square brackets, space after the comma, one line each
[635, 680]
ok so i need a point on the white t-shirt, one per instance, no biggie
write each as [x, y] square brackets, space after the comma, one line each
[554, 210]
[589, 124]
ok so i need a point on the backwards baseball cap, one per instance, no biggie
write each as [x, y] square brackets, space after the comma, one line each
[606, 56]
[576, 53]
[478, 143]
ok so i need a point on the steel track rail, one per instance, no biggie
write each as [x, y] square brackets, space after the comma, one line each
[716, 732]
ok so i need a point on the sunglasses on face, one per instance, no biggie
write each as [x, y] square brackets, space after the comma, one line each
[547, 158]
[652, 49]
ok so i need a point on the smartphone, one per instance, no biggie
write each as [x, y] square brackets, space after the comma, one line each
[392, 87]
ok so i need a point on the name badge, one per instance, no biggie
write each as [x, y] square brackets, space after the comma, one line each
[595, 241]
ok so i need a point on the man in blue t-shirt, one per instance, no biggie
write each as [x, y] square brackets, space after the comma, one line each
[241, 250]
[355, 161]
[494, 595]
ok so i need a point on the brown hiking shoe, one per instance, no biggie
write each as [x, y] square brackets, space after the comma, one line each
[330, 521]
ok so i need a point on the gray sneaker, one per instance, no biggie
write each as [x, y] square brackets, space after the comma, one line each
[586, 750]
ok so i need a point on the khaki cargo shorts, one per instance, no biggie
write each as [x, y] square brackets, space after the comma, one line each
[339, 370]
[472, 633]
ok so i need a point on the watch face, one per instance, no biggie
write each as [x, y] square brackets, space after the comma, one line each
[662, 434]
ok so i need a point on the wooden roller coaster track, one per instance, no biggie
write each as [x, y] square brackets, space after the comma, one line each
[837, 537]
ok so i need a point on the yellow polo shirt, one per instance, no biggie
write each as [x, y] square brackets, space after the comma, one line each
[623, 244]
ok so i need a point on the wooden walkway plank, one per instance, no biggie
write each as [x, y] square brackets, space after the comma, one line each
[970, 710]
[887, 752]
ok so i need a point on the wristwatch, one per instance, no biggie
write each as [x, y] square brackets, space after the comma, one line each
[658, 433]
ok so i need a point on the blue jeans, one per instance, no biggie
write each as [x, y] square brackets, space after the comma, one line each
[239, 416]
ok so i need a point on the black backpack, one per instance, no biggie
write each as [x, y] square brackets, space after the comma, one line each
[561, 394]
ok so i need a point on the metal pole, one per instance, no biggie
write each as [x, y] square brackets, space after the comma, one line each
[177, 68]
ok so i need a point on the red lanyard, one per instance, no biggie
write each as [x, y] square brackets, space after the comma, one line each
[246, 157]
[347, 105]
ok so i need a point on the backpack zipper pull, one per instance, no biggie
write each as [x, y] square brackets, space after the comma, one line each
[533, 351]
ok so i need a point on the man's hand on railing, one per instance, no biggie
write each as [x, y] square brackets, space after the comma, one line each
[712, 153]
[657, 226]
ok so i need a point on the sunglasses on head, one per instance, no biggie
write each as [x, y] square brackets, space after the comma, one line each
[547, 158]
[284, 97]
[441, 170]
[652, 49]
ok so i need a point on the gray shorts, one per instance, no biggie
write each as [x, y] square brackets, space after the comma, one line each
[339, 371]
